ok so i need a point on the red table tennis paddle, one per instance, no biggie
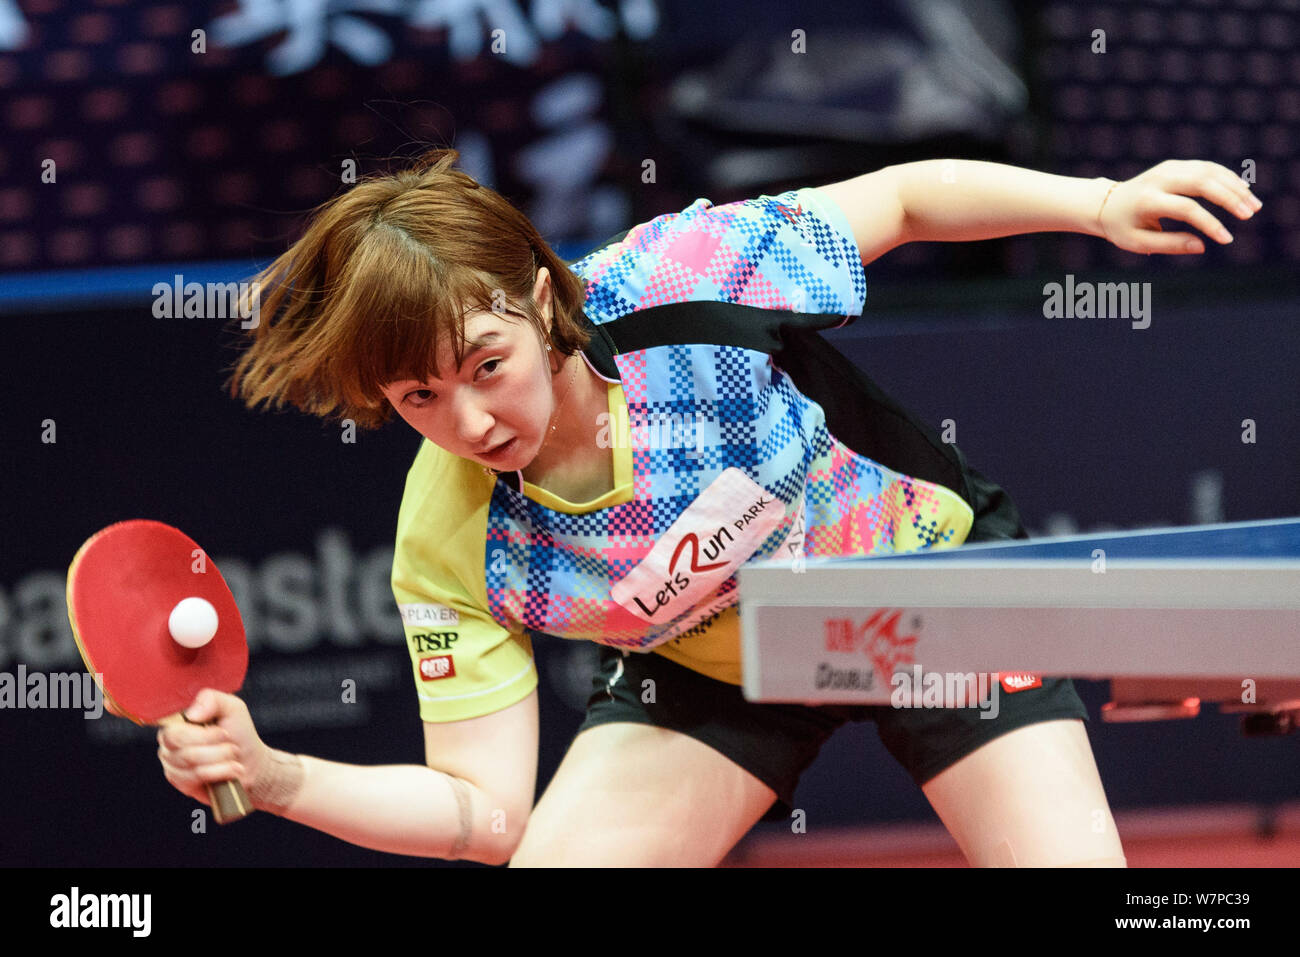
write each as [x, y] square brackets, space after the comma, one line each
[123, 585]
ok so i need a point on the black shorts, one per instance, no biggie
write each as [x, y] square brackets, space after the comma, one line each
[777, 742]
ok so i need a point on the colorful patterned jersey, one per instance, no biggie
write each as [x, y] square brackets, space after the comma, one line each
[737, 434]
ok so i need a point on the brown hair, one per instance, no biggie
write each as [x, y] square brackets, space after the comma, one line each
[381, 273]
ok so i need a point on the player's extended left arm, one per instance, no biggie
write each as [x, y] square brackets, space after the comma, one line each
[948, 200]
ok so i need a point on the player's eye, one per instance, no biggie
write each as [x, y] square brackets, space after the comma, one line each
[422, 397]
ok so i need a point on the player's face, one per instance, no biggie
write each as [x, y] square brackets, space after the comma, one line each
[496, 408]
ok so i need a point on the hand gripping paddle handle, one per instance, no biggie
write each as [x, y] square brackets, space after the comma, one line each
[228, 799]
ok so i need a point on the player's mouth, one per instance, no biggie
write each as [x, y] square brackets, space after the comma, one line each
[504, 448]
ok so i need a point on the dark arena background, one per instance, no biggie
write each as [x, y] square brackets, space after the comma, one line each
[143, 141]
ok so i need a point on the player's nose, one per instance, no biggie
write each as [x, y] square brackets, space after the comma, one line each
[474, 422]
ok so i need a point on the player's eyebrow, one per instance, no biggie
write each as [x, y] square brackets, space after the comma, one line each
[477, 344]
[487, 339]
[474, 346]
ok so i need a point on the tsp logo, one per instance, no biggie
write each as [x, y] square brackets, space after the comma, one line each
[877, 637]
[434, 641]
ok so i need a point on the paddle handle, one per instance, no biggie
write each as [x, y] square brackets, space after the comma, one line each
[228, 799]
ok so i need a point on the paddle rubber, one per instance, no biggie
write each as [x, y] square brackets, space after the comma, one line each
[122, 586]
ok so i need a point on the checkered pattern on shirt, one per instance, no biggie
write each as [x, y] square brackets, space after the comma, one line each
[773, 252]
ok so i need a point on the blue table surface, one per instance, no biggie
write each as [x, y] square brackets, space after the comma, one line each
[1276, 538]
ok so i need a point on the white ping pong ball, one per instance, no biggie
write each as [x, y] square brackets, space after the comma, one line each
[193, 622]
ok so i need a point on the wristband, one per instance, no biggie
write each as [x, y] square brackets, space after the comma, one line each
[275, 790]
[466, 813]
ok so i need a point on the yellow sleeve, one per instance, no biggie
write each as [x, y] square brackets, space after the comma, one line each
[465, 663]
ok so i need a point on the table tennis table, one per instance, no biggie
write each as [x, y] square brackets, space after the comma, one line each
[1172, 617]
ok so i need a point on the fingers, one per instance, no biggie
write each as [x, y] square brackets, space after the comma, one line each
[196, 754]
[1233, 193]
[217, 763]
[1169, 188]
[1169, 244]
[207, 706]
[178, 736]
[193, 757]
[1194, 214]
[1217, 184]
[223, 710]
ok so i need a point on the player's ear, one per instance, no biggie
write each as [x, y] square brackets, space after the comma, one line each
[542, 292]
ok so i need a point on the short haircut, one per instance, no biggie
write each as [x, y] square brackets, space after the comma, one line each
[382, 273]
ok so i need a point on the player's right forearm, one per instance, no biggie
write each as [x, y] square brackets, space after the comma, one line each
[400, 809]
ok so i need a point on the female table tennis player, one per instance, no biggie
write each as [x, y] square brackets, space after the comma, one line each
[427, 294]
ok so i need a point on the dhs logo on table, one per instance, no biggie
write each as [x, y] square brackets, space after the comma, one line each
[850, 679]
[885, 636]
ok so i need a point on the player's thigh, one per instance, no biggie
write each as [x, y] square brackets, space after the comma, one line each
[630, 794]
[1029, 798]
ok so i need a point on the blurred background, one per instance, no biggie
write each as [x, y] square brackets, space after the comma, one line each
[140, 140]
